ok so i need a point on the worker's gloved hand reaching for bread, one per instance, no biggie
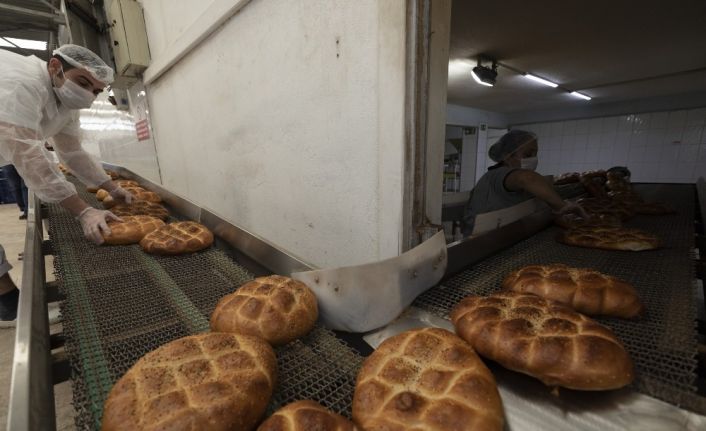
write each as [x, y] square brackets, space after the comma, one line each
[118, 193]
[571, 208]
[94, 223]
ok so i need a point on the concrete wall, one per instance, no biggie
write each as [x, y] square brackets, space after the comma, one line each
[288, 120]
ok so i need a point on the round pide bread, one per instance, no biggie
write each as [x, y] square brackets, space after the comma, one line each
[306, 415]
[278, 309]
[177, 238]
[426, 380]
[131, 229]
[211, 381]
[543, 339]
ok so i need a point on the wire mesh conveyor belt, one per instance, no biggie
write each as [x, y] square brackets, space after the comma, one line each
[663, 345]
[122, 303]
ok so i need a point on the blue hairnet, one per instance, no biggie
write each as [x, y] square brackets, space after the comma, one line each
[84, 58]
[508, 143]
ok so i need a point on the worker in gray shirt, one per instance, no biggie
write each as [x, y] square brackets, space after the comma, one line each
[513, 180]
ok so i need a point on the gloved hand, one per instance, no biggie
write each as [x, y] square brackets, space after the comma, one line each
[121, 195]
[95, 223]
[572, 207]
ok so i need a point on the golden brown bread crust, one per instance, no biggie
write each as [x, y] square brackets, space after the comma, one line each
[585, 290]
[594, 183]
[278, 309]
[426, 380]
[306, 415]
[543, 339]
[210, 381]
[617, 182]
[112, 174]
[567, 178]
[138, 193]
[572, 220]
[141, 208]
[177, 238]
[131, 230]
[101, 194]
[609, 238]
[606, 207]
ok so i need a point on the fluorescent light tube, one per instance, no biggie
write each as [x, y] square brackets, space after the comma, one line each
[473, 74]
[10, 42]
[582, 96]
[542, 80]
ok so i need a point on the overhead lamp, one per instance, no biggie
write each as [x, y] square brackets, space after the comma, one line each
[582, 96]
[541, 80]
[485, 75]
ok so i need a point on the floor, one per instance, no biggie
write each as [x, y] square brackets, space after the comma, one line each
[12, 232]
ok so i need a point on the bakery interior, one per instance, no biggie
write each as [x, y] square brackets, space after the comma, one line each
[320, 166]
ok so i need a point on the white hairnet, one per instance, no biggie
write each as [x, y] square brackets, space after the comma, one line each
[84, 58]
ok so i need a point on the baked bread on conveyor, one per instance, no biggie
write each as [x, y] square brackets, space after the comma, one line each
[278, 309]
[606, 207]
[138, 193]
[573, 220]
[609, 238]
[177, 238]
[131, 230]
[306, 415]
[543, 339]
[141, 208]
[426, 379]
[101, 194]
[210, 381]
[585, 290]
[567, 178]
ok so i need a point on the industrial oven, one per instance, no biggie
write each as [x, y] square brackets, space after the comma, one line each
[118, 304]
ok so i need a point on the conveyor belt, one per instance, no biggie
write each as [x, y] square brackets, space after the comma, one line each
[122, 303]
[663, 345]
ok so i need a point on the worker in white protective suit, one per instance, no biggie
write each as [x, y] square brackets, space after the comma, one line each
[39, 101]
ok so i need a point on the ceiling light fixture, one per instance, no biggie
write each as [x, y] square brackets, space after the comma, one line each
[485, 75]
[582, 96]
[541, 80]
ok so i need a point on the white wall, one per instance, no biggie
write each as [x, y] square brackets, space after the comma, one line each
[464, 116]
[666, 147]
[289, 121]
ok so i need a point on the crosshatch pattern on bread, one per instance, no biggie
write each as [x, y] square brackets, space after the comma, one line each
[177, 238]
[610, 238]
[131, 229]
[426, 380]
[278, 309]
[141, 208]
[543, 339]
[585, 290]
[138, 193]
[211, 381]
[306, 415]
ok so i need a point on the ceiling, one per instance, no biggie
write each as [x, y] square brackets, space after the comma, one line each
[30, 19]
[613, 51]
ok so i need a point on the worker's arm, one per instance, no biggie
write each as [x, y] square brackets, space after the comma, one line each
[67, 146]
[538, 186]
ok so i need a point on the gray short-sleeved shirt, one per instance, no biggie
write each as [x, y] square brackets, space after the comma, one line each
[490, 194]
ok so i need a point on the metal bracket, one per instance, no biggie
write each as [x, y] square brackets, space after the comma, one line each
[56, 340]
[61, 370]
[52, 293]
[47, 247]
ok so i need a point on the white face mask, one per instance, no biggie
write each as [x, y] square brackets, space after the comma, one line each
[529, 163]
[73, 96]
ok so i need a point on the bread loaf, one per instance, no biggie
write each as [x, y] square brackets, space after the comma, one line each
[585, 290]
[278, 309]
[567, 178]
[306, 415]
[131, 230]
[610, 238]
[141, 208]
[177, 238]
[211, 381]
[543, 339]
[426, 380]
[138, 193]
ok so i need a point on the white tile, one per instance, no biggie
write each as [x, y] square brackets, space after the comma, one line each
[689, 153]
[592, 155]
[625, 123]
[641, 122]
[582, 126]
[594, 141]
[556, 128]
[638, 137]
[568, 141]
[673, 134]
[620, 154]
[702, 154]
[580, 154]
[677, 119]
[610, 124]
[692, 135]
[653, 154]
[606, 156]
[637, 154]
[651, 172]
[569, 127]
[669, 153]
[656, 137]
[607, 140]
[659, 120]
[622, 139]
[696, 117]
[595, 125]
[581, 140]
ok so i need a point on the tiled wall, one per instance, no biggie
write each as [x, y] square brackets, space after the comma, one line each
[667, 147]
